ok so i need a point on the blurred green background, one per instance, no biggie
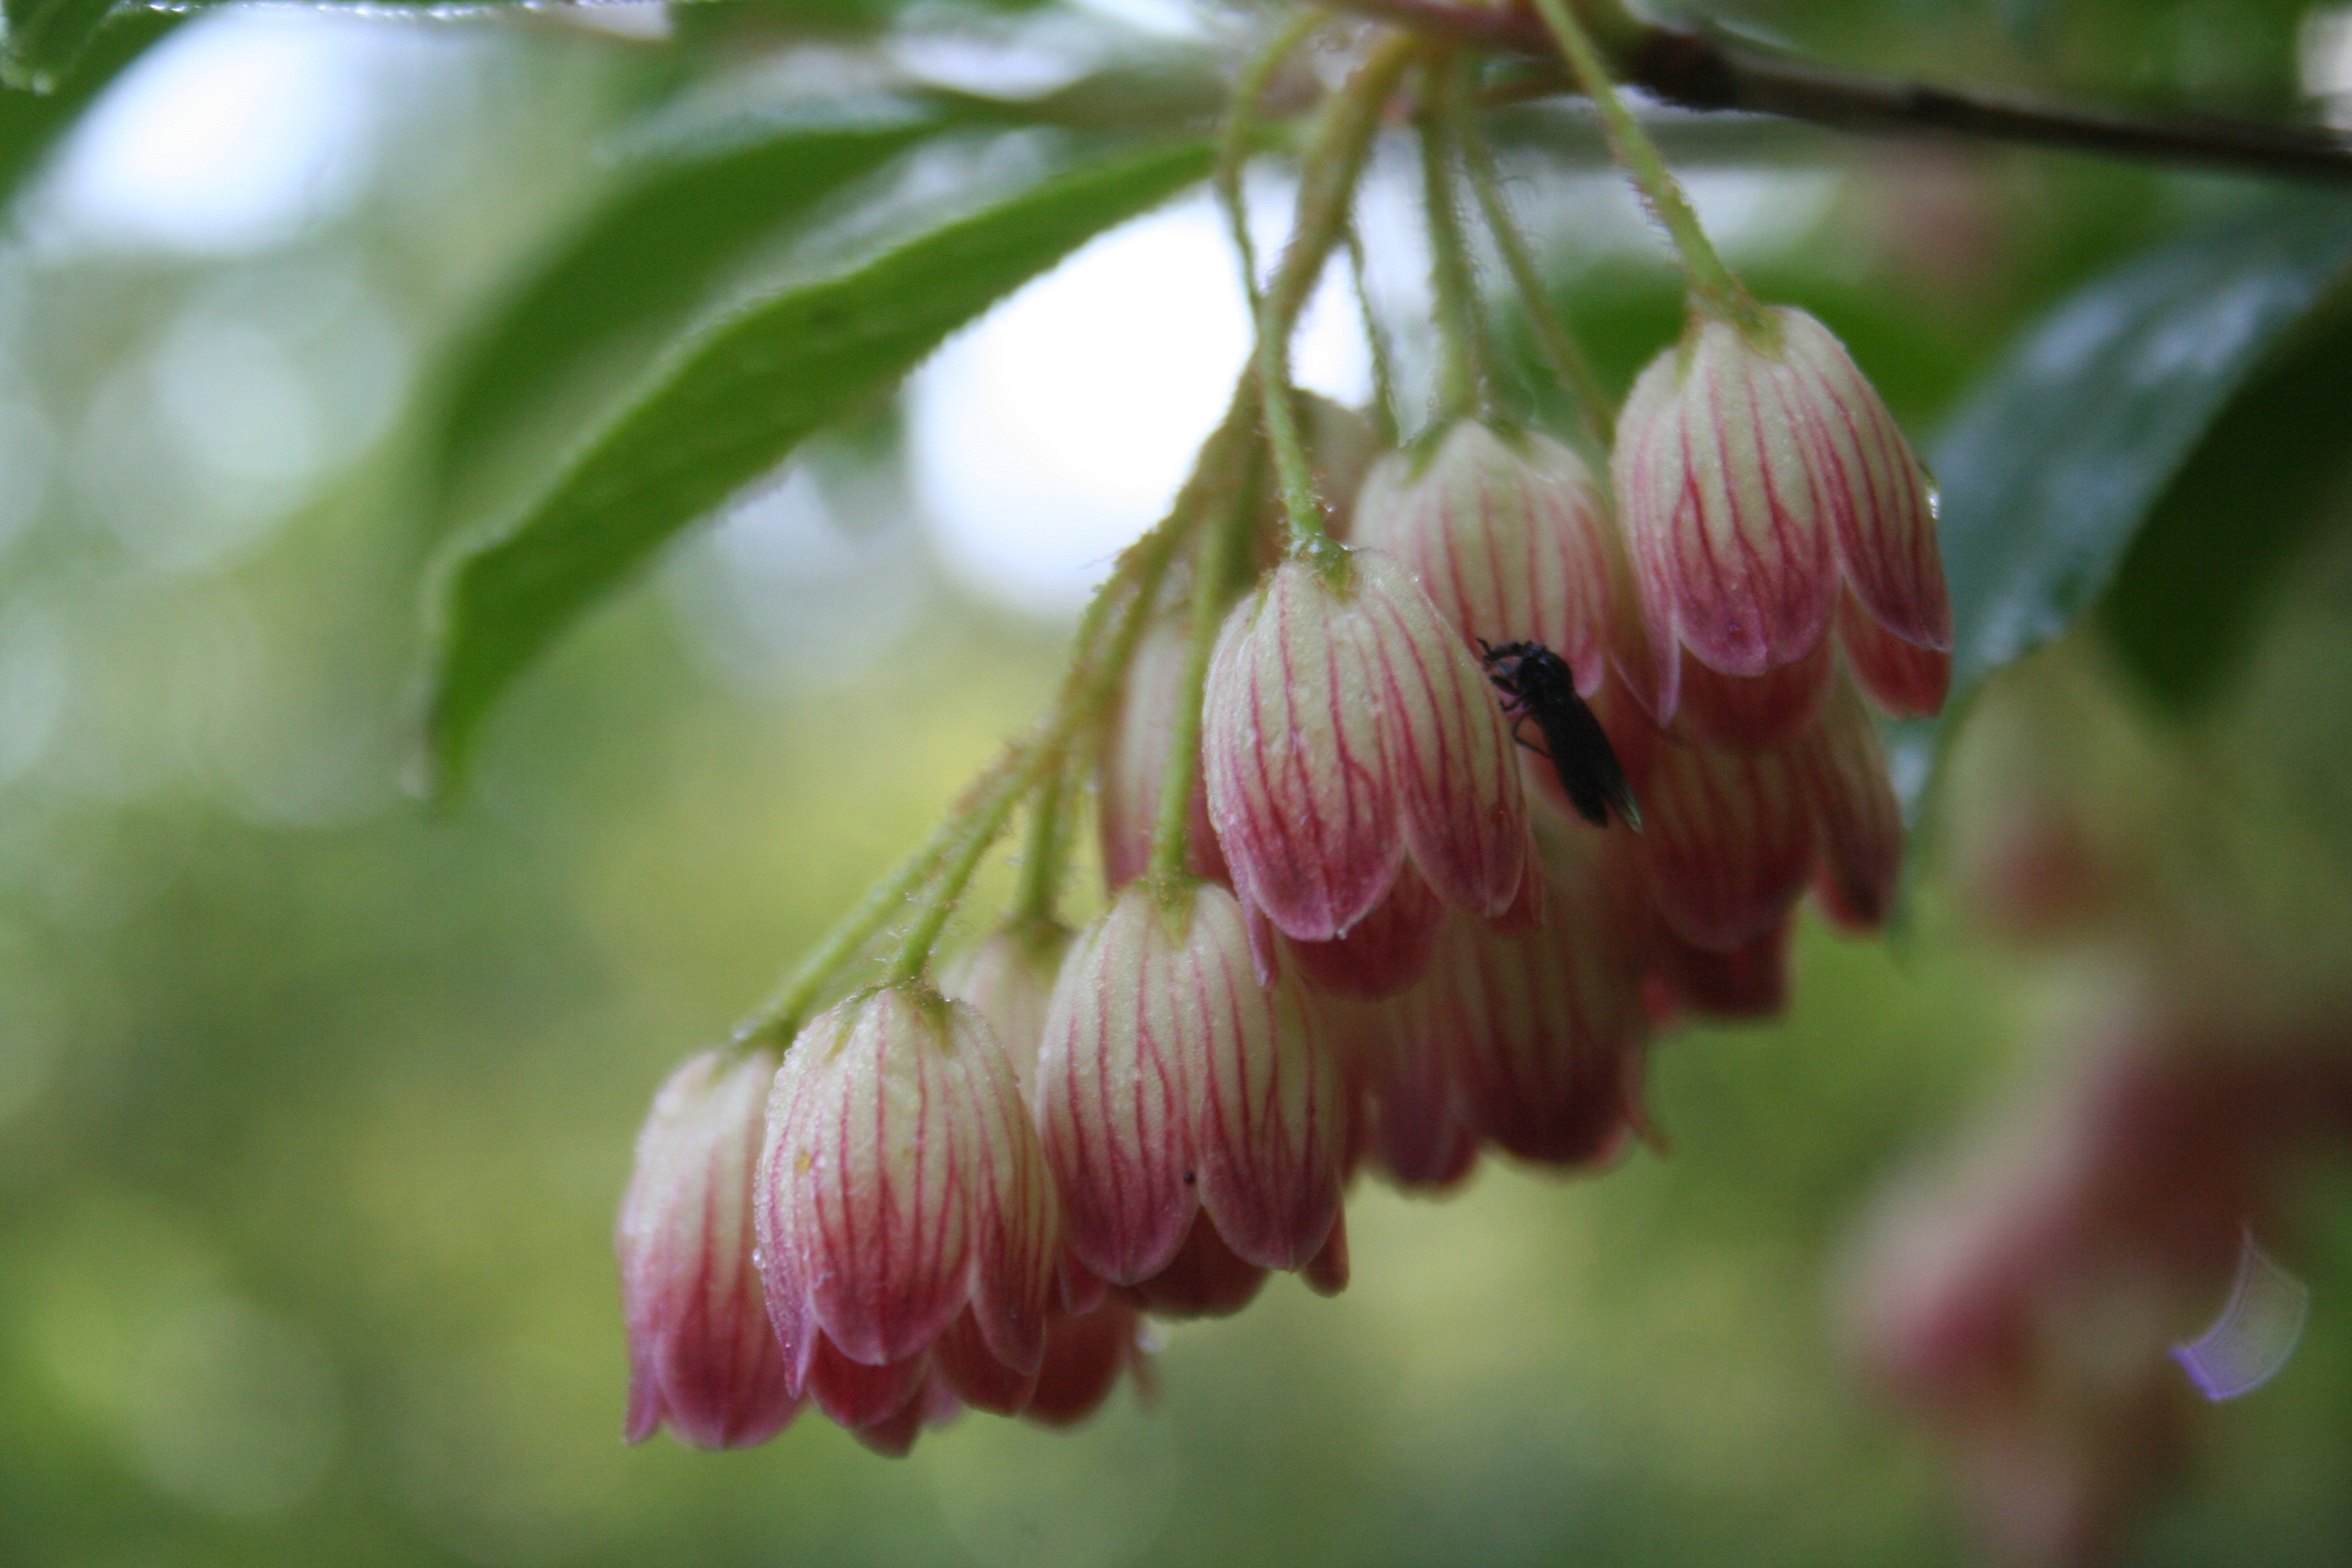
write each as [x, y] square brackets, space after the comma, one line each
[314, 1107]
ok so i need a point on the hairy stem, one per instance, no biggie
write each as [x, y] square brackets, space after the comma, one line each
[1464, 381]
[1105, 646]
[1713, 287]
[1331, 164]
[1384, 391]
[1237, 135]
[1564, 355]
[1212, 557]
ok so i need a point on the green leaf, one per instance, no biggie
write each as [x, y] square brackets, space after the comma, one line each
[730, 405]
[698, 199]
[31, 121]
[2054, 463]
[45, 38]
[2052, 466]
[2187, 599]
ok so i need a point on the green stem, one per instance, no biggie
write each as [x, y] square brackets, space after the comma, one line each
[1171, 834]
[1238, 133]
[1714, 289]
[981, 828]
[1040, 854]
[1331, 165]
[1464, 383]
[781, 1019]
[1562, 353]
[1095, 676]
[1384, 404]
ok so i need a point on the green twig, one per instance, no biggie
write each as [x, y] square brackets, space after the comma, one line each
[1714, 289]
[1564, 355]
[1463, 383]
[1384, 392]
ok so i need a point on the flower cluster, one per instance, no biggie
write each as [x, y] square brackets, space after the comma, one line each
[1369, 934]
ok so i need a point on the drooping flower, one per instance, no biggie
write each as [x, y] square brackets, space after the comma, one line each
[1172, 1081]
[702, 1356]
[1736, 836]
[1749, 981]
[1345, 729]
[1770, 497]
[1543, 1032]
[900, 1189]
[1510, 538]
[1008, 978]
[1384, 955]
[1415, 1125]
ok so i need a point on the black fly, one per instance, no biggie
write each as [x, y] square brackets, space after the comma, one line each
[1537, 684]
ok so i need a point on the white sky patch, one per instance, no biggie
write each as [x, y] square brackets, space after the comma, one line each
[232, 135]
[1059, 428]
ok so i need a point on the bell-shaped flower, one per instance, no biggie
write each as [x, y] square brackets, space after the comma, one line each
[1509, 537]
[1731, 840]
[1415, 1122]
[1085, 1354]
[1345, 729]
[1545, 1030]
[1770, 497]
[1382, 956]
[1735, 836]
[1133, 762]
[1172, 1081]
[1008, 978]
[701, 1354]
[1844, 772]
[1749, 981]
[901, 1186]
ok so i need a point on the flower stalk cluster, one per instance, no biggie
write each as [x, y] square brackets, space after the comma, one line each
[1349, 926]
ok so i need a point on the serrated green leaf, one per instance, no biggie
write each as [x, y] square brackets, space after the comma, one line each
[2052, 467]
[731, 403]
[697, 200]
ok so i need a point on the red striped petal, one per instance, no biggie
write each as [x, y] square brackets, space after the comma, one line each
[1112, 1087]
[1299, 784]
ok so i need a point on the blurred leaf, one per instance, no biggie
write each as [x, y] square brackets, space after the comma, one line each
[2190, 595]
[697, 200]
[30, 121]
[731, 403]
[2052, 465]
[45, 38]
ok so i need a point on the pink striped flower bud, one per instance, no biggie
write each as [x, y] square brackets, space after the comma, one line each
[1134, 760]
[1085, 1354]
[1768, 494]
[1347, 728]
[1417, 1126]
[701, 1354]
[1545, 1030]
[1844, 772]
[1387, 952]
[1510, 538]
[1731, 840]
[1172, 1081]
[1749, 982]
[1736, 836]
[1008, 979]
[901, 1184]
